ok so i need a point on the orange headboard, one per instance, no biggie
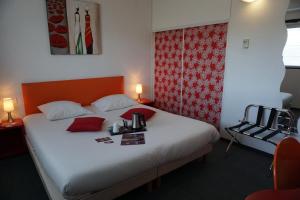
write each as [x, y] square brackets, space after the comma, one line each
[83, 91]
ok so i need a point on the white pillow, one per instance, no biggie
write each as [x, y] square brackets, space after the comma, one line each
[114, 102]
[62, 109]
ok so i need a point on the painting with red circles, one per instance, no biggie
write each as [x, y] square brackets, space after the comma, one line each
[74, 27]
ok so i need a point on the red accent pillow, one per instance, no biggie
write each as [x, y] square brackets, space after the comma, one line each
[86, 124]
[146, 112]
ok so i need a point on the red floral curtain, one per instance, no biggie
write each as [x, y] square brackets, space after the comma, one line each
[168, 62]
[203, 73]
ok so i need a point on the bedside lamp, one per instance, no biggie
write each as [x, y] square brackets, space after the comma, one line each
[8, 106]
[139, 91]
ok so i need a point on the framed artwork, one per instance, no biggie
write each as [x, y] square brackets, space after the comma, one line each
[74, 27]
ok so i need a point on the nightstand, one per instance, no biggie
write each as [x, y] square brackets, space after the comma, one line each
[12, 140]
[146, 102]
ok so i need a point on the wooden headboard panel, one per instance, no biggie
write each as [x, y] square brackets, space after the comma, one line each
[83, 91]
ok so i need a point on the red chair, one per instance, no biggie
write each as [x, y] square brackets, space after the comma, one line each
[293, 194]
[286, 173]
[287, 164]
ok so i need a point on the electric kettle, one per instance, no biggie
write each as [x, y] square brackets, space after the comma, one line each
[138, 121]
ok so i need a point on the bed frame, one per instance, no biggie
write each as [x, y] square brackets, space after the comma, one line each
[85, 91]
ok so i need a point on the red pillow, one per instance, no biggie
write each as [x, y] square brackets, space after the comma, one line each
[86, 124]
[146, 112]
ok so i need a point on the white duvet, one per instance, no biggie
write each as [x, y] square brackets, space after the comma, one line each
[78, 164]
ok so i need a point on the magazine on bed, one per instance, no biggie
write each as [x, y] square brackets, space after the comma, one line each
[133, 139]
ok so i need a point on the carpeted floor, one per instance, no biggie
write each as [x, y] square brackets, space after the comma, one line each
[222, 176]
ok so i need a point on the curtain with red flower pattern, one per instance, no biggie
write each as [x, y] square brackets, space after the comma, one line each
[198, 95]
[168, 70]
[203, 72]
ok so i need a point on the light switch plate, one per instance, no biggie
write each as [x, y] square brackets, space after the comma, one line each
[246, 43]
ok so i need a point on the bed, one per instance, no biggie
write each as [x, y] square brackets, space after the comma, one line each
[75, 166]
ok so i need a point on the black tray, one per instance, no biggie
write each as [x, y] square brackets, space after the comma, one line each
[124, 130]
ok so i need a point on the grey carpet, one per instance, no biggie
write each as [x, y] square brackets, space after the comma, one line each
[222, 176]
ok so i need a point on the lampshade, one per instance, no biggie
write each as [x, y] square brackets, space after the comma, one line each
[139, 88]
[8, 104]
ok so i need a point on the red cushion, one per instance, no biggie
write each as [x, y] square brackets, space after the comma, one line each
[86, 124]
[146, 112]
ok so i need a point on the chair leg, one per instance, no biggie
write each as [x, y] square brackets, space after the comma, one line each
[157, 182]
[150, 186]
[202, 159]
[271, 166]
[229, 145]
[233, 138]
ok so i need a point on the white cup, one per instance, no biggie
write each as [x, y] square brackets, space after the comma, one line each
[116, 127]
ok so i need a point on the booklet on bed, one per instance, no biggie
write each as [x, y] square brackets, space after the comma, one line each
[133, 139]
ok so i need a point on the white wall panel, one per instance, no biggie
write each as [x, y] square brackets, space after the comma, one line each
[25, 52]
[172, 14]
[254, 75]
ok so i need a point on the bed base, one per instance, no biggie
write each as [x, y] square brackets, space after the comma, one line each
[119, 188]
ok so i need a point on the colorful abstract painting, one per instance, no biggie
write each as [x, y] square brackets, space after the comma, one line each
[74, 27]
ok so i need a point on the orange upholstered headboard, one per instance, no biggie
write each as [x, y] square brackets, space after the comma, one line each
[83, 91]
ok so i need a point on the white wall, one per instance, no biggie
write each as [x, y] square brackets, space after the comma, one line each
[295, 14]
[25, 53]
[290, 82]
[294, 4]
[254, 76]
[251, 76]
[291, 85]
[292, 15]
[172, 14]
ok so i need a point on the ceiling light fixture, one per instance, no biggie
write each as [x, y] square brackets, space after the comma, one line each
[248, 1]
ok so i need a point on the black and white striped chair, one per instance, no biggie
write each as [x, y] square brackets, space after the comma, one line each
[278, 126]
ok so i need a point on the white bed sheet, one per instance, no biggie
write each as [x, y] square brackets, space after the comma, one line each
[78, 164]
